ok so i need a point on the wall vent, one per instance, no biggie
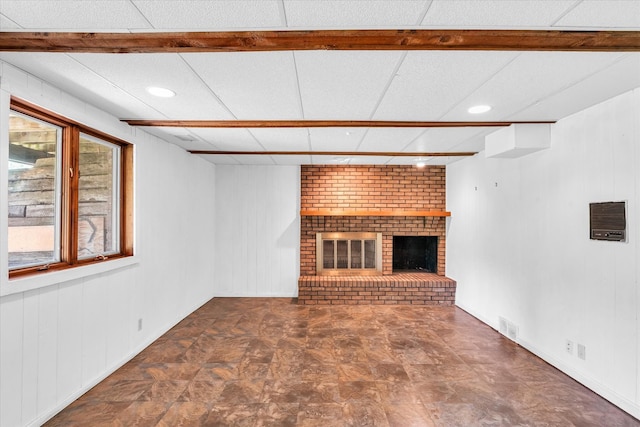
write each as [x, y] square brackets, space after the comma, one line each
[502, 328]
[512, 331]
[508, 329]
[607, 221]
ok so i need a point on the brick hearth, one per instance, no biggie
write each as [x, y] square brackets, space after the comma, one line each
[408, 288]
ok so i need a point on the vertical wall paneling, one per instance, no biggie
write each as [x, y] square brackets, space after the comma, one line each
[11, 360]
[224, 277]
[69, 357]
[521, 250]
[57, 341]
[117, 319]
[94, 329]
[263, 231]
[47, 348]
[30, 354]
[287, 237]
[257, 226]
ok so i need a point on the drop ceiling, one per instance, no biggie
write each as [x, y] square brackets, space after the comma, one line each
[371, 85]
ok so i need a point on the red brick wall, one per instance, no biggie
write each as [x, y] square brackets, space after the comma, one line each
[372, 188]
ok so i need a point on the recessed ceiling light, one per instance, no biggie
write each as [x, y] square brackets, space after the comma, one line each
[479, 109]
[161, 92]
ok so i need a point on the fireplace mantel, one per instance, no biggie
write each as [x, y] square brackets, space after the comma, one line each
[362, 212]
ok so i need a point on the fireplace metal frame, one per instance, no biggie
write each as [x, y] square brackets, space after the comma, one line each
[348, 236]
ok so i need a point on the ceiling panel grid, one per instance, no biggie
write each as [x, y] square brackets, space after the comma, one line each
[330, 84]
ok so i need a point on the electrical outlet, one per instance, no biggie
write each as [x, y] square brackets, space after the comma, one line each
[582, 352]
[569, 346]
[140, 324]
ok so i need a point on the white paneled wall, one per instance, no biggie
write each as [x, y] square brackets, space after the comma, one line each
[257, 231]
[518, 245]
[57, 341]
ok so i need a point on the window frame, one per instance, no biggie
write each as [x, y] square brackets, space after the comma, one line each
[69, 183]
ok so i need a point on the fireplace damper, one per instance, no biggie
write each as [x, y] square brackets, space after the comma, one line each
[415, 254]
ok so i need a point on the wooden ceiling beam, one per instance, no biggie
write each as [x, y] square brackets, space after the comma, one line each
[243, 41]
[318, 123]
[333, 153]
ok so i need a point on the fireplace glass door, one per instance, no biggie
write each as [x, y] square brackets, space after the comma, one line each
[349, 253]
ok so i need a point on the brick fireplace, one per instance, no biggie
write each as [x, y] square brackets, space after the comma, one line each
[391, 201]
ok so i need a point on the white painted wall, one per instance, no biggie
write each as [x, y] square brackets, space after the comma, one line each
[59, 340]
[518, 245]
[257, 231]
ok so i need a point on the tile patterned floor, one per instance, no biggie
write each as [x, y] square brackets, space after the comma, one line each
[270, 362]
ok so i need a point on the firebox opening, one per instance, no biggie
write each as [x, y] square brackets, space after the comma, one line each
[415, 254]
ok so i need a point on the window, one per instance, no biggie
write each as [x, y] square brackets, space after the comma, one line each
[70, 193]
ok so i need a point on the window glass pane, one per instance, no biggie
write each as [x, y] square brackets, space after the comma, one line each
[98, 222]
[356, 253]
[369, 254]
[343, 256]
[34, 192]
[327, 254]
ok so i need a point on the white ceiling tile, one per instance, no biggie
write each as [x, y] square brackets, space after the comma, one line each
[445, 139]
[220, 160]
[475, 144]
[330, 160]
[603, 14]
[353, 13]
[516, 87]
[430, 161]
[621, 76]
[288, 139]
[370, 160]
[74, 14]
[335, 139]
[184, 145]
[74, 78]
[495, 13]
[257, 159]
[133, 73]
[182, 137]
[343, 84]
[292, 160]
[430, 83]
[340, 85]
[6, 23]
[404, 160]
[253, 85]
[389, 139]
[228, 139]
[442, 161]
[210, 15]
